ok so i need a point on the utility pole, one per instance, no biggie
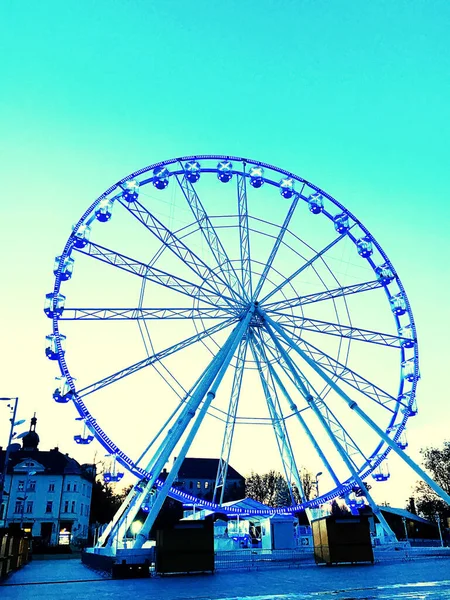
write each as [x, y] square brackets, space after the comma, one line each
[13, 409]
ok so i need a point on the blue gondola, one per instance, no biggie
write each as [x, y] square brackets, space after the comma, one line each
[160, 178]
[66, 267]
[381, 473]
[365, 247]
[315, 203]
[63, 392]
[54, 305]
[130, 190]
[408, 369]
[256, 176]
[192, 171]
[402, 441]
[51, 347]
[341, 223]
[398, 304]
[79, 439]
[224, 171]
[384, 274]
[82, 236]
[287, 187]
[103, 212]
[407, 335]
[112, 477]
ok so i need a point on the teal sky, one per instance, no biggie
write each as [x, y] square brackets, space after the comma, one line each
[353, 96]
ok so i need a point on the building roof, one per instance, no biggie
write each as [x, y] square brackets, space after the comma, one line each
[204, 468]
[401, 512]
[53, 461]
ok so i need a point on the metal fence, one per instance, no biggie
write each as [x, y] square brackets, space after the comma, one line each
[248, 559]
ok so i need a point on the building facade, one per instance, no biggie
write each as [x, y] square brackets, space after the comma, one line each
[197, 476]
[46, 493]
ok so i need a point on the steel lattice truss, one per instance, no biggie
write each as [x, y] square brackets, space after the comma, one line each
[235, 307]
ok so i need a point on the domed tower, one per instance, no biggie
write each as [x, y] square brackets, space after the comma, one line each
[30, 441]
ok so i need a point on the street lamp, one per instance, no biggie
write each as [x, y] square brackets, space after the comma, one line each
[317, 482]
[438, 519]
[13, 409]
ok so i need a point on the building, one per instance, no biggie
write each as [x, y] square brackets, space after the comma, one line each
[47, 493]
[197, 476]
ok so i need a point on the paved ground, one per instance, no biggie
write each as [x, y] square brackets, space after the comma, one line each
[427, 579]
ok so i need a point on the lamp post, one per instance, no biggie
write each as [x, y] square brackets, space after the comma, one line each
[317, 482]
[13, 409]
[438, 519]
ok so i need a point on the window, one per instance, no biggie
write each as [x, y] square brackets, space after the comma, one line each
[191, 485]
[31, 486]
[75, 487]
[51, 487]
[66, 506]
[68, 487]
[86, 510]
[20, 486]
[18, 507]
[206, 485]
[49, 506]
[199, 485]
[29, 507]
[81, 509]
[73, 506]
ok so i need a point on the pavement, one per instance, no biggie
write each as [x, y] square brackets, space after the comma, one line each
[418, 579]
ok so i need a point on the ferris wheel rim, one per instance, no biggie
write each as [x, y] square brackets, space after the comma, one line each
[81, 407]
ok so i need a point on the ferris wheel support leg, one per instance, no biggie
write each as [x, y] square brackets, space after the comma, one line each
[304, 426]
[162, 454]
[345, 459]
[222, 469]
[112, 525]
[278, 424]
[354, 406]
[213, 379]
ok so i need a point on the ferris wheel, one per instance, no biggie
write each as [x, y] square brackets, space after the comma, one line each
[222, 305]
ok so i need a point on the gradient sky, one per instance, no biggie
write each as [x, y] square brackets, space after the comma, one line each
[353, 96]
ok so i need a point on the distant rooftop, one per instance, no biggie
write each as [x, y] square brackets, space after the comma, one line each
[204, 468]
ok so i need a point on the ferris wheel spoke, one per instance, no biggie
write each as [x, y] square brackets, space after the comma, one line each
[209, 277]
[370, 423]
[212, 239]
[277, 417]
[244, 234]
[138, 314]
[306, 389]
[276, 246]
[153, 274]
[325, 295]
[308, 264]
[224, 460]
[336, 329]
[337, 369]
[93, 387]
